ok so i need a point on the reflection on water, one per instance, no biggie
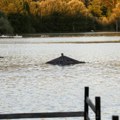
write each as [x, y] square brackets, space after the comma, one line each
[30, 85]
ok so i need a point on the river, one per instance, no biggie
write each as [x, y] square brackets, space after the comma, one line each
[27, 84]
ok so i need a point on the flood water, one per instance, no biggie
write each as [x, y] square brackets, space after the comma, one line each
[27, 84]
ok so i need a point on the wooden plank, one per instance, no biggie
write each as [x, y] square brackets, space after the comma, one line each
[98, 108]
[86, 109]
[88, 118]
[92, 106]
[114, 117]
[41, 115]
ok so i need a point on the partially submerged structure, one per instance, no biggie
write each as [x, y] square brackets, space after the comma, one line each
[64, 60]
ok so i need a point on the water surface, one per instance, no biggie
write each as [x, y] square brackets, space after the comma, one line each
[30, 85]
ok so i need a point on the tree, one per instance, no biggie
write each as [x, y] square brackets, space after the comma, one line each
[115, 16]
[48, 7]
[95, 8]
[5, 27]
[21, 23]
[76, 7]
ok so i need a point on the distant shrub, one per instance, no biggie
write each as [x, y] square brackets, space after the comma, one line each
[5, 27]
[21, 23]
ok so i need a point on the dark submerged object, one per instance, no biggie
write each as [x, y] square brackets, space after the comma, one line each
[64, 60]
[1, 57]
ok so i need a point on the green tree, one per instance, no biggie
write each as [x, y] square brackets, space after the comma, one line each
[21, 23]
[5, 27]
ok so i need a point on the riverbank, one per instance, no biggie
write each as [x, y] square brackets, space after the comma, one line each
[73, 34]
[83, 42]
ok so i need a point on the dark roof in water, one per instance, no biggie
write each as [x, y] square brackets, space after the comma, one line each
[64, 60]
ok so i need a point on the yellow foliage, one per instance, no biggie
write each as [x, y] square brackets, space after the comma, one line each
[116, 13]
[34, 8]
[76, 7]
[4, 6]
[69, 7]
[104, 20]
[116, 10]
[48, 7]
[95, 8]
[8, 6]
[12, 8]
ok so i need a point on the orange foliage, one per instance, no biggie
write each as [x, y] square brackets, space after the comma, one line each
[49, 7]
[76, 7]
[68, 7]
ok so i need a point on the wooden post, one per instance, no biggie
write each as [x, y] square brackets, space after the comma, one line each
[85, 103]
[115, 117]
[98, 108]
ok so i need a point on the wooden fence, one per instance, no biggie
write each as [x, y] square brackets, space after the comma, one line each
[96, 108]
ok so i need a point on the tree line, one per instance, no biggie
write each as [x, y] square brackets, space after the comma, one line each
[40, 16]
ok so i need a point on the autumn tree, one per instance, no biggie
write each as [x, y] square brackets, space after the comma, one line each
[49, 7]
[115, 16]
[60, 15]
[76, 7]
[95, 8]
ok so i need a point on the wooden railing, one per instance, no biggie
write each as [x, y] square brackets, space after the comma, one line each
[115, 117]
[42, 115]
[96, 108]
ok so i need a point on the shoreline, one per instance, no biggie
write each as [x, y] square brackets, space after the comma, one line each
[72, 34]
[69, 42]
[83, 42]
[43, 35]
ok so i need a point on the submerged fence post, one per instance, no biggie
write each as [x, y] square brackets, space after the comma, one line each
[85, 103]
[98, 108]
[115, 117]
